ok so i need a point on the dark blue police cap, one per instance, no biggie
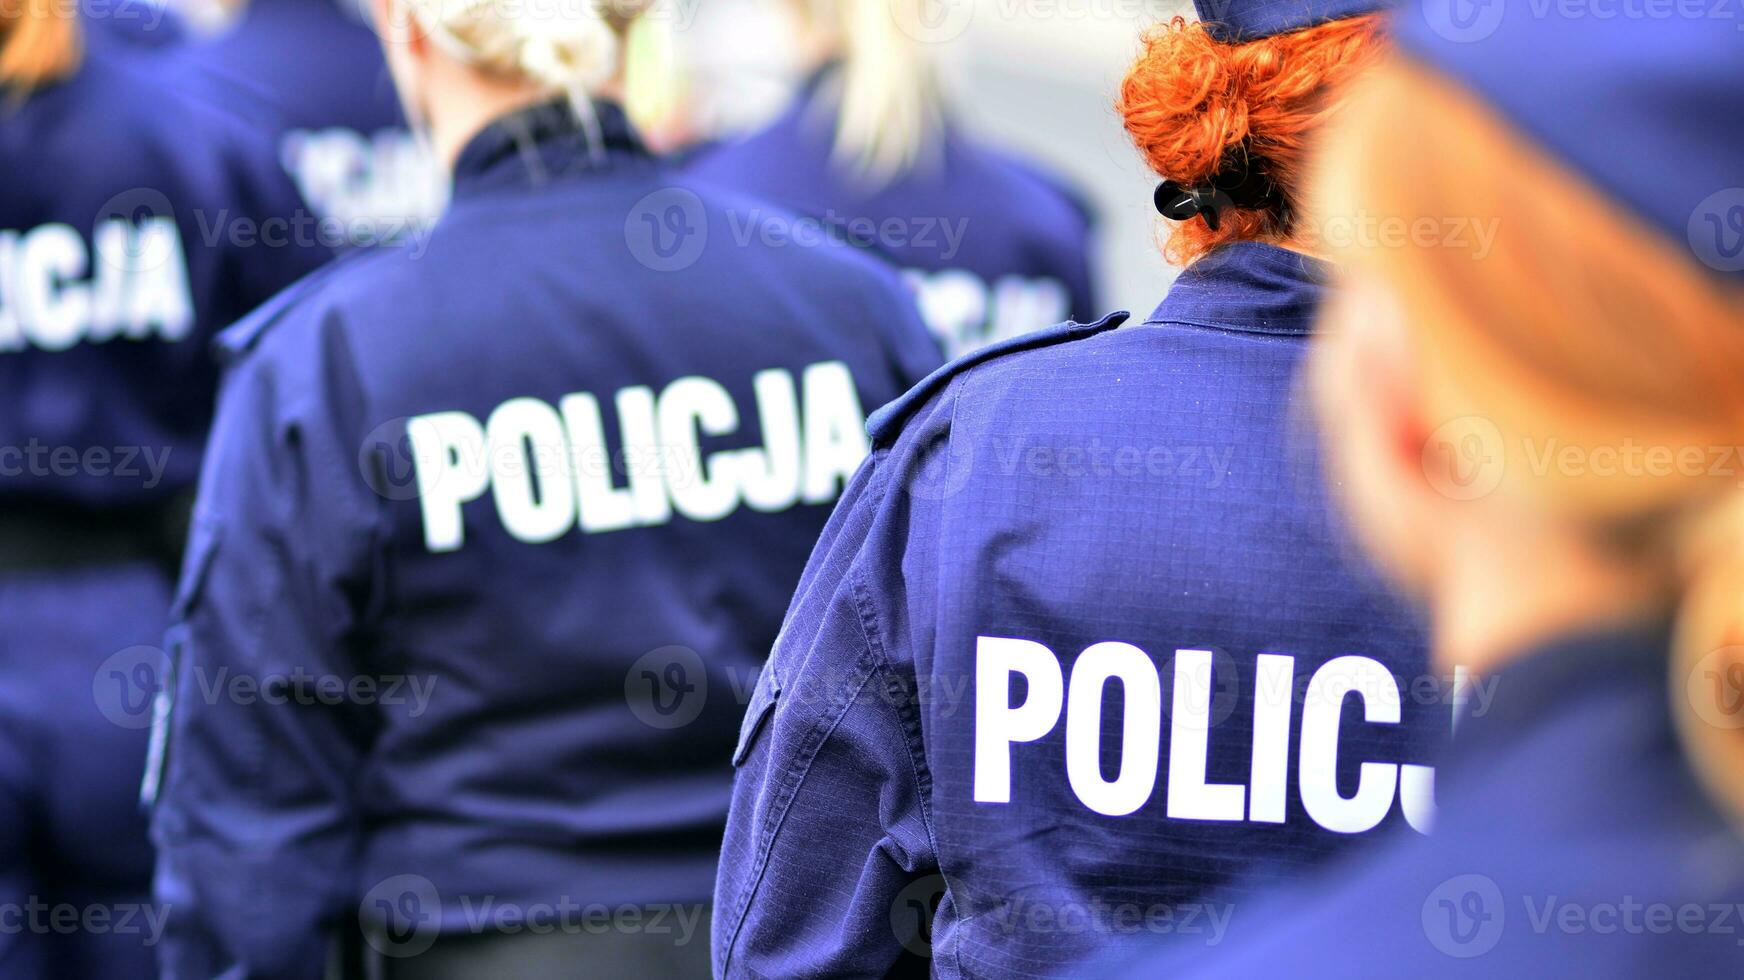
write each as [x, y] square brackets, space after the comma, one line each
[1645, 100]
[1235, 21]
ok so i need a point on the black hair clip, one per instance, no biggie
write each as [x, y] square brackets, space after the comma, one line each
[1242, 183]
[1178, 202]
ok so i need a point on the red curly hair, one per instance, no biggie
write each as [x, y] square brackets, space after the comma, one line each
[1189, 101]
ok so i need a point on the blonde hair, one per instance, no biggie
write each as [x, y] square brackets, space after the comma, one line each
[563, 45]
[889, 98]
[40, 43]
[1581, 324]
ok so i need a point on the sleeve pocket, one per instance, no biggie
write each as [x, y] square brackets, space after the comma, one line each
[763, 698]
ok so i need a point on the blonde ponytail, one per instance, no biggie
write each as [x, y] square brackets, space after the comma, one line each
[40, 43]
[890, 105]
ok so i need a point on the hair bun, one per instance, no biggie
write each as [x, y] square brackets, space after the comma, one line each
[572, 48]
[1190, 101]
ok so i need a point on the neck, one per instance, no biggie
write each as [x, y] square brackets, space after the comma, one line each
[1503, 595]
[465, 114]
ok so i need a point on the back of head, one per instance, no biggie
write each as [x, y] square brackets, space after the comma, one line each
[565, 46]
[1206, 105]
[40, 43]
[1587, 325]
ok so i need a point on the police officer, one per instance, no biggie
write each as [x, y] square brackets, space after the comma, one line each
[310, 74]
[486, 702]
[1590, 818]
[127, 217]
[992, 247]
[1080, 660]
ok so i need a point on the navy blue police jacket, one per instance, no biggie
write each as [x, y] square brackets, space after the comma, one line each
[310, 73]
[129, 236]
[1078, 650]
[491, 543]
[1574, 841]
[992, 247]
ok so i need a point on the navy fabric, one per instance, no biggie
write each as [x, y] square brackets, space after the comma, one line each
[1147, 486]
[582, 652]
[79, 660]
[1574, 842]
[112, 286]
[1645, 107]
[1236, 21]
[310, 73]
[127, 229]
[141, 24]
[992, 247]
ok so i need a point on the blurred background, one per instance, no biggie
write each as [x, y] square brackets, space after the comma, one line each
[1038, 77]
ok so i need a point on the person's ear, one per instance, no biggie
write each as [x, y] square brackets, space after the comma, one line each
[1367, 387]
[402, 36]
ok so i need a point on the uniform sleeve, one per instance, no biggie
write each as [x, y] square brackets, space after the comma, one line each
[255, 821]
[828, 830]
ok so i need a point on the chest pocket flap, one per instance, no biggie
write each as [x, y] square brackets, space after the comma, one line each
[763, 698]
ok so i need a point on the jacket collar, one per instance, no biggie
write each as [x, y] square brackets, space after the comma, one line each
[1247, 287]
[542, 143]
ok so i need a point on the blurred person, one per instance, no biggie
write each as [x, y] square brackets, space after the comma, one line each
[310, 73]
[868, 148]
[112, 285]
[1591, 818]
[1081, 651]
[499, 530]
